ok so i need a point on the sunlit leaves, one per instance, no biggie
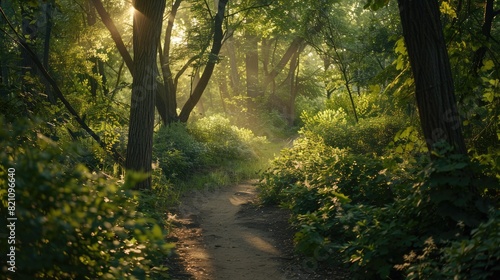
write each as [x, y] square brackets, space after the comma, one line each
[447, 9]
[487, 65]
[375, 4]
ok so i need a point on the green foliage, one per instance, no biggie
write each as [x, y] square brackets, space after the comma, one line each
[225, 142]
[477, 257]
[177, 151]
[72, 223]
[370, 135]
[206, 144]
[386, 217]
[411, 233]
[319, 183]
[375, 4]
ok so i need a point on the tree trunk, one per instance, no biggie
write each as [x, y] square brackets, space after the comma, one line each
[293, 79]
[29, 31]
[294, 46]
[170, 89]
[148, 17]
[252, 68]
[489, 15]
[209, 68]
[122, 49]
[233, 67]
[266, 55]
[48, 8]
[431, 69]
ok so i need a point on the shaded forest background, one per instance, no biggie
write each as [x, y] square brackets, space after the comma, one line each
[375, 122]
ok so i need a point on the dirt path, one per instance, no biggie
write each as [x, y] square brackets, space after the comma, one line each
[221, 234]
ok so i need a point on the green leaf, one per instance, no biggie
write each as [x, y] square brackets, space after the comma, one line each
[343, 198]
[375, 4]
[157, 232]
[488, 65]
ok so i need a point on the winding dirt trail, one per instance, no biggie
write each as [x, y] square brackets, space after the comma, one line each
[221, 234]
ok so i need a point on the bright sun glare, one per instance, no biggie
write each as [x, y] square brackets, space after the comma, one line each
[131, 11]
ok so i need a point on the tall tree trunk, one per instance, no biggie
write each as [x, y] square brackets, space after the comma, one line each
[170, 90]
[100, 66]
[92, 79]
[97, 63]
[122, 49]
[29, 31]
[293, 79]
[48, 10]
[233, 67]
[266, 55]
[148, 17]
[489, 15]
[223, 84]
[252, 68]
[431, 69]
[209, 67]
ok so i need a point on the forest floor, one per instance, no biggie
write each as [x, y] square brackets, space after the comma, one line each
[224, 234]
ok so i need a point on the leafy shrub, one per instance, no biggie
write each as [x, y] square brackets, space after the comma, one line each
[271, 124]
[409, 237]
[225, 142]
[477, 257]
[177, 151]
[387, 218]
[320, 184]
[369, 135]
[371, 103]
[72, 224]
[210, 143]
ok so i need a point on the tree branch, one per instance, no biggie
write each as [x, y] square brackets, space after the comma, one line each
[108, 22]
[114, 153]
[184, 68]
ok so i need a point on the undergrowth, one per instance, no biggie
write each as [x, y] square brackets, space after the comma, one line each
[208, 153]
[73, 223]
[391, 213]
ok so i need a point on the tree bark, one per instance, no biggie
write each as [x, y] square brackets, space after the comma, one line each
[122, 49]
[252, 68]
[294, 46]
[431, 69]
[489, 15]
[233, 67]
[293, 79]
[148, 17]
[209, 68]
[170, 89]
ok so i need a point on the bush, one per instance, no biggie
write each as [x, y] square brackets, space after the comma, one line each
[409, 237]
[225, 142]
[320, 184]
[177, 151]
[388, 218]
[208, 144]
[477, 257]
[72, 224]
[368, 136]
